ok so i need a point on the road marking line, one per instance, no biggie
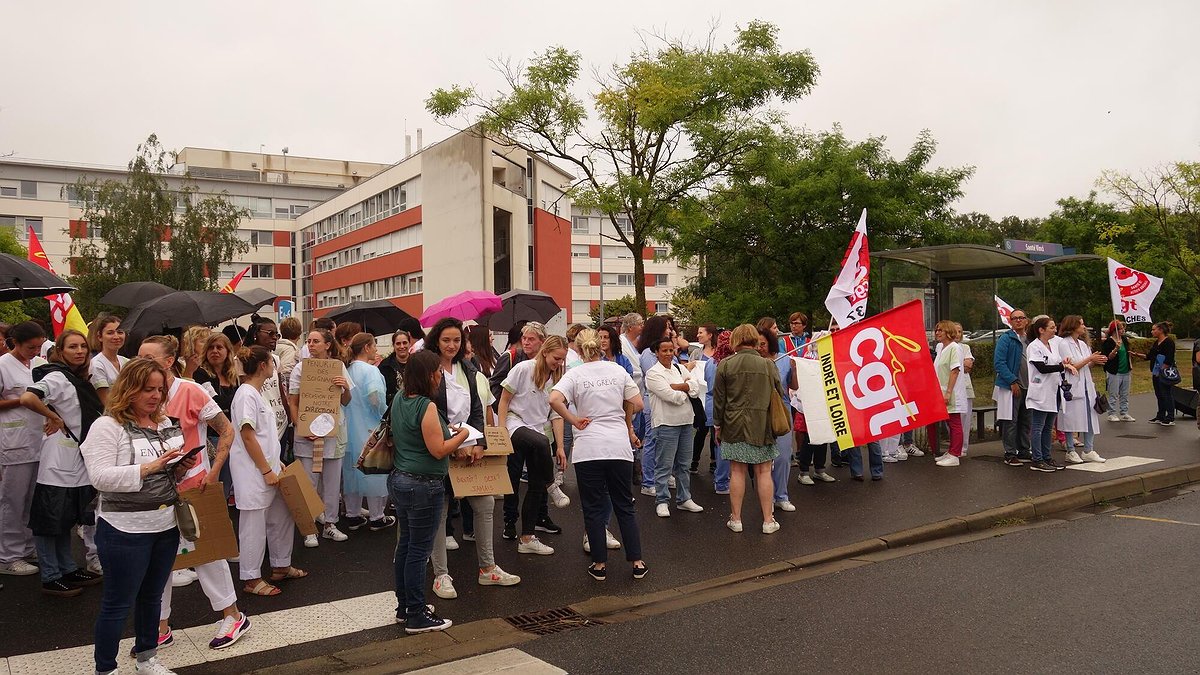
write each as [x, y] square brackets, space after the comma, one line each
[503, 661]
[1157, 520]
[1113, 464]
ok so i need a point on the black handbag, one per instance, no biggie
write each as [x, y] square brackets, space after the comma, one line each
[699, 417]
[1169, 374]
[158, 489]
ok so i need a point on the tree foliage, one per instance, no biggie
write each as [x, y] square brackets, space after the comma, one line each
[149, 232]
[776, 232]
[670, 122]
[618, 307]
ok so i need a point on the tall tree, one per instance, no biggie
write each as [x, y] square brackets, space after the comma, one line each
[149, 232]
[672, 120]
[777, 230]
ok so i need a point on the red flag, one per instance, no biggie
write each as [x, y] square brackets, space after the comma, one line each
[63, 312]
[232, 285]
[847, 300]
[879, 378]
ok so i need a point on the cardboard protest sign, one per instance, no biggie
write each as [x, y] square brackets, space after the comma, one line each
[319, 396]
[498, 441]
[301, 497]
[878, 377]
[487, 476]
[217, 540]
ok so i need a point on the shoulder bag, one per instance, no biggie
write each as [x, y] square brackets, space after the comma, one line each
[699, 417]
[158, 488]
[379, 452]
[781, 422]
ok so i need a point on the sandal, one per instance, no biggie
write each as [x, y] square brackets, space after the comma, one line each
[262, 588]
[289, 573]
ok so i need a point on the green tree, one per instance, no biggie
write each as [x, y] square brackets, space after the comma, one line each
[618, 307]
[149, 232]
[776, 232]
[673, 119]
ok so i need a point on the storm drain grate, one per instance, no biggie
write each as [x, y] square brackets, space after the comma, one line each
[1138, 437]
[552, 621]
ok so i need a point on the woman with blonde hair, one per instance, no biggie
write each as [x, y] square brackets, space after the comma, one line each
[525, 411]
[191, 349]
[219, 370]
[949, 368]
[742, 419]
[129, 454]
[106, 338]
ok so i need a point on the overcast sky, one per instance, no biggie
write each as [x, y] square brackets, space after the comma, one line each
[1039, 95]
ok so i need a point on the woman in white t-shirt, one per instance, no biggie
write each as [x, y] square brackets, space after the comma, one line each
[264, 521]
[126, 452]
[1045, 374]
[20, 445]
[63, 496]
[322, 345]
[605, 399]
[106, 338]
[1077, 417]
[525, 411]
[196, 411]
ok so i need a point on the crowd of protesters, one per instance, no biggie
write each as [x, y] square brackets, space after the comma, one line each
[96, 445]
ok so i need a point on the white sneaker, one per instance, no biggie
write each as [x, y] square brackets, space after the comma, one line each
[947, 460]
[443, 587]
[662, 510]
[1093, 456]
[558, 497]
[824, 477]
[771, 527]
[19, 568]
[587, 544]
[1128, 418]
[310, 541]
[181, 578]
[890, 459]
[534, 546]
[806, 479]
[1078, 443]
[451, 544]
[611, 541]
[1073, 458]
[785, 505]
[914, 451]
[670, 482]
[321, 518]
[331, 532]
[691, 506]
[901, 454]
[735, 525]
[94, 567]
[1114, 418]
[498, 577]
[648, 491]
[152, 666]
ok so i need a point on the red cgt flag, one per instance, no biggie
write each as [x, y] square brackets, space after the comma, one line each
[233, 283]
[878, 377]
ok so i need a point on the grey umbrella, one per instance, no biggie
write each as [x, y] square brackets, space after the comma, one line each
[377, 317]
[20, 279]
[184, 308]
[520, 305]
[257, 296]
[135, 293]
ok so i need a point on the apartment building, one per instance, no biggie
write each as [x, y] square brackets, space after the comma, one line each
[467, 213]
[275, 189]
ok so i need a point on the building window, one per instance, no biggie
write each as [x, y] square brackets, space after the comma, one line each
[624, 279]
[35, 223]
[660, 308]
[660, 253]
[257, 237]
[416, 284]
[8, 221]
[8, 191]
[660, 280]
[581, 279]
[93, 231]
[579, 225]
[28, 189]
[258, 271]
[624, 225]
[580, 251]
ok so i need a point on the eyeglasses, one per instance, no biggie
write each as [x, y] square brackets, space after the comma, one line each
[273, 333]
[797, 323]
[1018, 318]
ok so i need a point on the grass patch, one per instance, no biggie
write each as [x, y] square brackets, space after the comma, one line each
[1009, 522]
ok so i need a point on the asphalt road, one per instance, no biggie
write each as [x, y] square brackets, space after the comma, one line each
[1103, 594]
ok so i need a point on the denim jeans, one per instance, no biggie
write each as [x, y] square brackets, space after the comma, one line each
[1015, 433]
[906, 438]
[875, 457]
[1118, 393]
[1041, 425]
[673, 455]
[649, 451]
[605, 486]
[54, 556]
[781, 468]
[136, 568]
[419, 503]
[1166, 401]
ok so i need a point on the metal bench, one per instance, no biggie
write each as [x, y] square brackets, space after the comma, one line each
[981, 419]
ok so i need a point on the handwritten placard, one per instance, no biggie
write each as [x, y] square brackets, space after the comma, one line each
[487, 476]
[498, 441]
[319, 396]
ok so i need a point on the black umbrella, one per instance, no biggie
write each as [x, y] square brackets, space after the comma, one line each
[20, 279]
[135, 293]
[377, 317]
[257, 297]
[519, 305]
[184, 308]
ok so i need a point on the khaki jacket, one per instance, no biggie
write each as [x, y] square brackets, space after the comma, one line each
[742, 398]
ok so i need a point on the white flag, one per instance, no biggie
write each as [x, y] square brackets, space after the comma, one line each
[847, 300]
[1005, 309]
[1132, 292]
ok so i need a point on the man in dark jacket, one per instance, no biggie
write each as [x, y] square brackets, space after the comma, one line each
[1012, 374]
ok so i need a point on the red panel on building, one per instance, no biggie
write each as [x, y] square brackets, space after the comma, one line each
[594, 251]
[283, 271]
[376, 229]
[281, 238]
[77, 230]
[647, 253]
[650, 280]
[391, 265]
[552, 256]
[594, 279]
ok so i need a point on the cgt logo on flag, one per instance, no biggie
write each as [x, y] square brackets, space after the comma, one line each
[1132, 291]
[847, 299]
[1004, 310]
[878, 378]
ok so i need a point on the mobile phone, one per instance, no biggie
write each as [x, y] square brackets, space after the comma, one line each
[187, 455]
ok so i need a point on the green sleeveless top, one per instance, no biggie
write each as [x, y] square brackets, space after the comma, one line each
[411, 454]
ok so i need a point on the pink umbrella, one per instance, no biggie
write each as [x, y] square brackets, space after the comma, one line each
[465, 306]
